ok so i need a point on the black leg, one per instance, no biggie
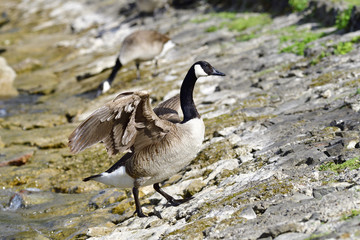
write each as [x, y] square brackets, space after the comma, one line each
[111, 77]
[114, 71]
[171, 200]
[156, 68]
[137, 202]
[137, 70]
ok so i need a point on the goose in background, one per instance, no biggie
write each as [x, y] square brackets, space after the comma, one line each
[139, 46]
[157, 142]
[150, 6]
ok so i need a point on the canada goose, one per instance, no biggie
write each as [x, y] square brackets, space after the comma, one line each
[149, 6]
[157, 142]
[139, 46]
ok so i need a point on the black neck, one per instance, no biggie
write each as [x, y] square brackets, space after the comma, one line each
[186, 96]
[114, 71]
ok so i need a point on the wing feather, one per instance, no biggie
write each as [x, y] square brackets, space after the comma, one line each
[170, 109]
[117, 124]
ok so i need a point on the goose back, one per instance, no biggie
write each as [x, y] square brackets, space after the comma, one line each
[170, 109]
[142, 45]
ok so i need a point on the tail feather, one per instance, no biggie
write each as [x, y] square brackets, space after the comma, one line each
[92, 177]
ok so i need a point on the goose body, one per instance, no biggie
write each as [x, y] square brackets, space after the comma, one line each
[149, 6]
[157, 142]
[139, 46]
[149, 166]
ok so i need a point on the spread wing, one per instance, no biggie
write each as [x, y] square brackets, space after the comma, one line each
[170, 109]
[117, 124]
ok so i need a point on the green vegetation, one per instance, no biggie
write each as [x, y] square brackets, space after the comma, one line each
[299, 46]
[298, 38]
[348, 2]
[350, 164]
[212, 29]
[200, 19]
[224, 15]
[240, 24]
[353, 213]
[343, 48]
[342, 19]
[245, 37]
[298, 5]
[235, 23]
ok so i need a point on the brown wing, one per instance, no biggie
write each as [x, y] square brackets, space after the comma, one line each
[117, 124]
[170, 109]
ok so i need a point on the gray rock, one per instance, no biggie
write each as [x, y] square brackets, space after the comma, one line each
[7, 77]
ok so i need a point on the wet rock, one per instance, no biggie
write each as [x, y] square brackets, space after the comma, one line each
[16, 201]
[318, 193]
[43, 138]
[292, 235]
[7, 77]
[39, 82]
[248, 213]
[194, 187]
[4, 19]
[34, 120]
[100, 231]
[29, 64]
[106, 198]
[18, 161]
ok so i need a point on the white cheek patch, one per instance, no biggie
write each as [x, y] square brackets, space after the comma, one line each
[106, 87]
[199, 71]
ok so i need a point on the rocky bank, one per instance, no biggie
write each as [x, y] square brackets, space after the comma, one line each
[281, 154]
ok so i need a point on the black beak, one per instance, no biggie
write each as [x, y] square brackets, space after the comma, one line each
[217, 73]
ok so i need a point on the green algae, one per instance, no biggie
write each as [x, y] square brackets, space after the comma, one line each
[353, 83]
[255, 102]
[54, 216]
[266, 190]
[124, 205]
[350, 164]
[326, 78]
[214, 152]
[43, 138]
[30, 121]
[193, 230]
[353, 213]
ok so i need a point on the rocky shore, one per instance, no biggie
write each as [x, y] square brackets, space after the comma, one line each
[281, 154]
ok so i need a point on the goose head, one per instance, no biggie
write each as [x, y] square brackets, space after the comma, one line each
[198, 69]
[203, 69]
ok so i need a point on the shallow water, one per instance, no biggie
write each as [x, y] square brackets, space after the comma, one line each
[48, 216]
[17, 105]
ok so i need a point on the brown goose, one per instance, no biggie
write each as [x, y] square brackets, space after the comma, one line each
[157, 142]
[149, 6]
[139, 46]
